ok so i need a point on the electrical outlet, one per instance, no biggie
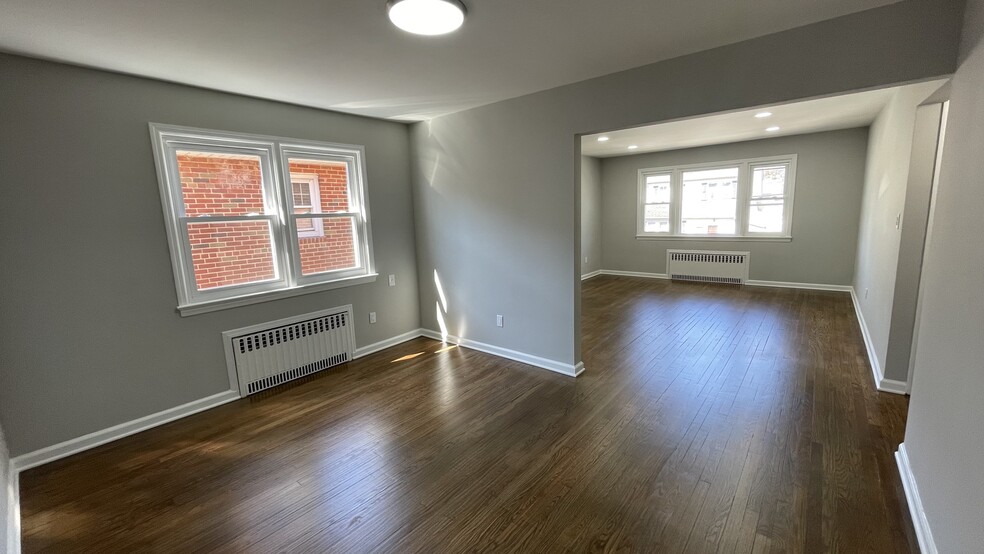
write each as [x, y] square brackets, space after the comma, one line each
[865, 293]
[392, 280]
[498, 321]
[585, 259]
[898, 221]
[372, 317]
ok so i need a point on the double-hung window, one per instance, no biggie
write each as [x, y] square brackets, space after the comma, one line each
[736, 200]
[252, 217]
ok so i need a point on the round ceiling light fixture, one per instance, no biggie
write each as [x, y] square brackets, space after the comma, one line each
[426, 17]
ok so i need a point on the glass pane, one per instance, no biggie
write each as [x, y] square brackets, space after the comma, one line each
[765, 216]
[220, 184]
[657, 218]
[231, 253]
[709, 201]
[331, 246]
[769, 180]
[657, 189]
[332, 179]
[302, 196]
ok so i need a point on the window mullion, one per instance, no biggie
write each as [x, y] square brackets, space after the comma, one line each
[282, 191]
[676, 202]
[744, 200]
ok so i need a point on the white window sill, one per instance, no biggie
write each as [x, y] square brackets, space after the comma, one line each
[266, 296]
[715, 238]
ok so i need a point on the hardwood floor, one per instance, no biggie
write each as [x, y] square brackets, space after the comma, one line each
[710, 419]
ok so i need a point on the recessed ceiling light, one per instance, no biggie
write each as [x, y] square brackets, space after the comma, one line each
[760, 115]
[772, 129]
[426, 17]
[633, 147]
[602, 139]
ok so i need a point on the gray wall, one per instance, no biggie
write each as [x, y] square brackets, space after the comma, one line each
[87, 307]
[496, 188]
[945, 430]
[886, 178]
[829, 179]
[590, 214]
[912, 242]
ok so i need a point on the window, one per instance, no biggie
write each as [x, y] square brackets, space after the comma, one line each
[741, 200]
[250, 216]
[656, 205]
[709, 202]
[307, 200]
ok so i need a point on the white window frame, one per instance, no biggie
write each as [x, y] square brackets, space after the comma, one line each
[274, 153]
[743, 203]
[314, 191]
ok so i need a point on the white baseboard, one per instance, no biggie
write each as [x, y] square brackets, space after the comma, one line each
[13, 545]
[881, 383]
[384, 344]
[923, 534]
[92, 440]
[559, 367]
[806, 286]
[587, 276]
[578, 369]
[13, 510]
[633, 274]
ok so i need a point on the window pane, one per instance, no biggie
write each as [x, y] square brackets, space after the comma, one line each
[220, 184]
[231, 253]
[769, 180]
[333, 249]
[709, 201]
[302, 196]
[657, 218]
[657, 189]
[333, 182]
[765, 216]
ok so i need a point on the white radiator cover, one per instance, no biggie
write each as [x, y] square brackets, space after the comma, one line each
[270, 354]
[710, 266]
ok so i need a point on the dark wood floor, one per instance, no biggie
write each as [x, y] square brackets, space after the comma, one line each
[710, 419]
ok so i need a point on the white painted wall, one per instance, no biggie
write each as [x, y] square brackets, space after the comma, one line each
[883, 199]
[590, 214]
[945, 430]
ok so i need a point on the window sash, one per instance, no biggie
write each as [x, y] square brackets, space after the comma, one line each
[356, 203]
[277, 188]
[743, 204]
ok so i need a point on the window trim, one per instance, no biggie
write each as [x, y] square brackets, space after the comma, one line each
[743, 200]
[273, 152]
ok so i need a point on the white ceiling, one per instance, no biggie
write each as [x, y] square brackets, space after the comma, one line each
[345, 55]
[796, 118]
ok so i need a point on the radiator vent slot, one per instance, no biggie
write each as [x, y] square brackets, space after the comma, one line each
[707, 266]
[271, 354]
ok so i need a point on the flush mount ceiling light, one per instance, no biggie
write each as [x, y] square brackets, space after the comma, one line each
[633, 147]
[426, 17]
[760, 115]
[772, 129]
[602, 139]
